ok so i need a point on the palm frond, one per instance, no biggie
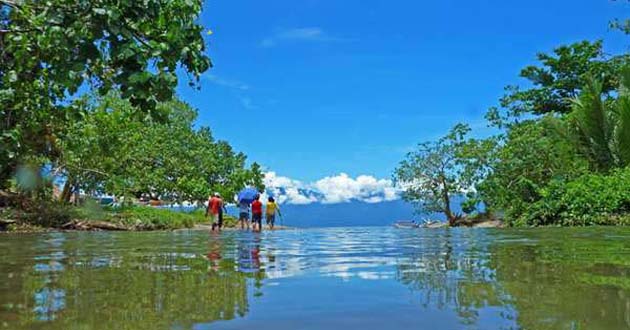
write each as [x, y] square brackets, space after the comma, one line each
[622, 131]
[625, 80]
[593, 123]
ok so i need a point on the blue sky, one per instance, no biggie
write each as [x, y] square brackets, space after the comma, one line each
[311, 89]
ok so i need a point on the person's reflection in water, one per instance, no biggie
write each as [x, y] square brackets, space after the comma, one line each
[271, 260]
[214, 256]
[249, 254]
[249, 260]
[259, 275]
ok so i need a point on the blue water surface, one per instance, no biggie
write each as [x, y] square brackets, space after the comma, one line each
[318, 278]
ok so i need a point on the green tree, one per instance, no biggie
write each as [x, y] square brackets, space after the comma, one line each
[526, 159]
[431, 175]
[622, 25]
[560, 78]
[602, 127]
[112, 150]
[49, 50]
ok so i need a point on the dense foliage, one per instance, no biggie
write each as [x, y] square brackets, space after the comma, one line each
[528, 157]
[112, 151]
[87, 101]
[52, 51]
[602, 127]
[563, 152]
[590, 199]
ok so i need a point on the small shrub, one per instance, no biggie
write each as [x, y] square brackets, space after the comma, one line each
[46, 214]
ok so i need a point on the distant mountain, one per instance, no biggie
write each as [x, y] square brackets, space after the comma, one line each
[353, 213]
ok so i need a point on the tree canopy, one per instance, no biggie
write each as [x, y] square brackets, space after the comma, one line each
[560, 78]
[431, 175]
[559, 140]
[111, 150]
[52, 51]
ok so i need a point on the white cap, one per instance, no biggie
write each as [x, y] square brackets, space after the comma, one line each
[216, 194]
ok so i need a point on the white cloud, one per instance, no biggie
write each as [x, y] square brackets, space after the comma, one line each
[234, 84]
[333, 189]
[247, 103]
[286, 190]
[342, 188]
[311, 34]
[240, 87]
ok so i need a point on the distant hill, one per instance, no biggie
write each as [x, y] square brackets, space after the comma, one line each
[353, 213]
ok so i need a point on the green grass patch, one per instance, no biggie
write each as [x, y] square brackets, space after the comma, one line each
[151, 218]
[55, 215]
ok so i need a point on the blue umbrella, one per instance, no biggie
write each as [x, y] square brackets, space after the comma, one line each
[247, 195]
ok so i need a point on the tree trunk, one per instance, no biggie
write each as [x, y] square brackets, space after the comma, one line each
[447, 204]
[66, 193]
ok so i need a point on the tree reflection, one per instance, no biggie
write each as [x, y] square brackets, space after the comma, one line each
[541, 280]
[510, 279]
[573, 282]
[125, 289]
[449, 271]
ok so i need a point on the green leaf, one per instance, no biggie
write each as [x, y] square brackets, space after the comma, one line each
[12, 75]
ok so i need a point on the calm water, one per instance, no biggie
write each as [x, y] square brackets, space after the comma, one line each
[329, 278]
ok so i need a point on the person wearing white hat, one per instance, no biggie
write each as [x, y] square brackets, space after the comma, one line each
[215, 210]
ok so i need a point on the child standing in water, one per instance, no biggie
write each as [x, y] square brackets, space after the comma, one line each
[257, 214]
[243, 216]
[272, 208]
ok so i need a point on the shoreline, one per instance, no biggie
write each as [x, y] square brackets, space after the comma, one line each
[147, 219]
[9, 226]
[196, 228]
[475, 224]
[208, 227]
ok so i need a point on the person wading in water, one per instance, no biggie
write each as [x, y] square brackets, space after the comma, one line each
[257, 214]
[271, 210]
[215, 210]
[243, 216]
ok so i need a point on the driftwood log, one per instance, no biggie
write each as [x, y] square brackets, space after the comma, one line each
[93, 225]
[5, 223]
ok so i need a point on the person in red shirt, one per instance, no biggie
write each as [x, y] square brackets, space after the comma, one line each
[215, 203]
[257, 214]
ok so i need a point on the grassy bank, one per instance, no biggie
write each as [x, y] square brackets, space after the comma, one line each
[94, 217]
[148, 218]
[163, 219]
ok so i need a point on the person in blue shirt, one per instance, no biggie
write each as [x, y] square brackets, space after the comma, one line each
[243, 216]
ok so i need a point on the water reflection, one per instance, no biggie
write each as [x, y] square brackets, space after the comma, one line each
[468, 279]
[138, 282]
[569, 279]
[451, 272]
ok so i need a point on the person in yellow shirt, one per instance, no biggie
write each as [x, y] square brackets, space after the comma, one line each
[272, 209]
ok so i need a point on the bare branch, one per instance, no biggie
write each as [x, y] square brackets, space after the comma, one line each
[5, 31]
[89, 170]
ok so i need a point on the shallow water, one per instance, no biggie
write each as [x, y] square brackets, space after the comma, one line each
[351, 278]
